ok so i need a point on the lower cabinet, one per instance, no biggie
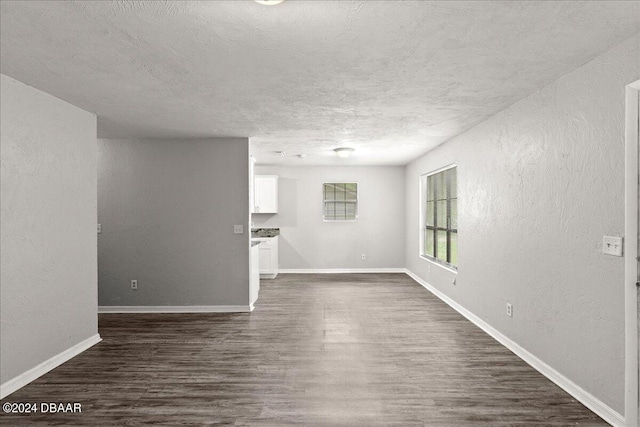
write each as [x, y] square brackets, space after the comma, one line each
[268, 258]
[254, 280]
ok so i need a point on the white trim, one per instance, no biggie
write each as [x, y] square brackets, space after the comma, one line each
[442, 169]
[36, 372]
[439, 264]
[340, 270]
[105, 309]
[587, 399]
[630, 254]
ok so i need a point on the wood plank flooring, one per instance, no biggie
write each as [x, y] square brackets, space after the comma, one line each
[319, 350]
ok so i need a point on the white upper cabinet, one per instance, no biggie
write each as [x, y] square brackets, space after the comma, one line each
[266, 194]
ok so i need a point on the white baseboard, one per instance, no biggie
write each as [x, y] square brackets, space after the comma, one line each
[36, 372]
[341, 270]
[587, 399]
[174, 309]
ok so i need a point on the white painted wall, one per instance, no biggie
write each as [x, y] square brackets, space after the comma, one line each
[167, 209]
[48, 235]
[539, 185]
[306, 242]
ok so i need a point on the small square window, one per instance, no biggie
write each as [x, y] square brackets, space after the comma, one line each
[340, 201]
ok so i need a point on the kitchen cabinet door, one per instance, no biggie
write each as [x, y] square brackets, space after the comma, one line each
[269, 258]
[266, 194]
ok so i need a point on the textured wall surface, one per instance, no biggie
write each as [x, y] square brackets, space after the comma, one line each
[304, 76]
[306, 242]
[539, 184]
[167, 210]
[48, 234]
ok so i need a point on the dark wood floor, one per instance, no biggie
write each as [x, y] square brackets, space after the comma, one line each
[339, 350]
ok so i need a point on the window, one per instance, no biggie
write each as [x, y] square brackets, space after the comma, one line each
[340, 201]
[439, 240]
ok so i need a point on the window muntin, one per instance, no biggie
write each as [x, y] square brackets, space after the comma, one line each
[440, 217]
[340, 201]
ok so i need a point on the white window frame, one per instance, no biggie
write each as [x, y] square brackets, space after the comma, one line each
[422, 181]
[357, 203]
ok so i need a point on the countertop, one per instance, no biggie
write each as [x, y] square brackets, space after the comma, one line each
[264, 232]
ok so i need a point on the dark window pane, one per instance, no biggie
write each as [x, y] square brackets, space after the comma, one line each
[453, 183]
[441, 213]
[431, 189]
[454, 249]
[441, 186]
[429, 238]
[441, 247]
[430, 218]
[453, 214]
[329, 192]
[351, 211]
[352, 192]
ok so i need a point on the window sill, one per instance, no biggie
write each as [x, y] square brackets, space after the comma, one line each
[439, 264]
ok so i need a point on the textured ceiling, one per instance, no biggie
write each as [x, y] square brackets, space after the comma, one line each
[391, 79]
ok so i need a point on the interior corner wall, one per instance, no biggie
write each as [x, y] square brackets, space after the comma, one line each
[48, 266]
[539, 185]
[167, 210]
[307, 242]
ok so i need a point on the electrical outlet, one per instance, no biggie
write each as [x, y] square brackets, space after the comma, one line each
[509, 310]
[363, 256]
[238, 229]
[134, 284]
[99, 228]
[428, 269]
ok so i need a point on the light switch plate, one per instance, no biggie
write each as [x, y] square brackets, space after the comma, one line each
[612, 245]
[238, 229]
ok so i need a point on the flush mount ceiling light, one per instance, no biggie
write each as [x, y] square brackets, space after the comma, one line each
[343, 151]
[269, 2]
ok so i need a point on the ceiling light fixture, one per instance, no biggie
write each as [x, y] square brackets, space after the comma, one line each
[280, 153]
[343, 151]
[269, 2]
